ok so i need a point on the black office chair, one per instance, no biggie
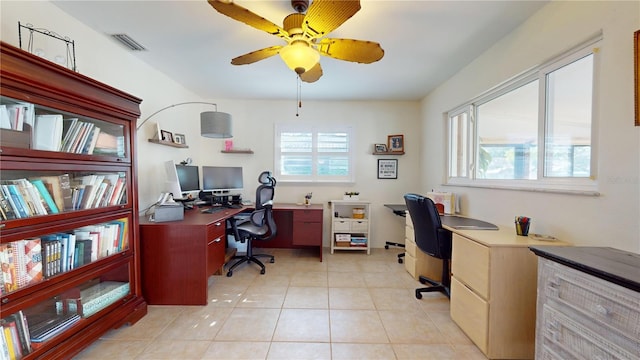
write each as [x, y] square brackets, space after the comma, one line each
[259, 226]
[431, 238]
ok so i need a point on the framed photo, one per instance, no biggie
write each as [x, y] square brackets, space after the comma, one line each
[380, 148]
[387, 168]
[166, 136]
[179, 139]
[636, 75]
[395, 143]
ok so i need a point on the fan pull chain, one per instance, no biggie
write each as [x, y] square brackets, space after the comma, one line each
[298, 95]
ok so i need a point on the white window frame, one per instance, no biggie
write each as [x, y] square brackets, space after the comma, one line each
[585, 186]
[314, 177]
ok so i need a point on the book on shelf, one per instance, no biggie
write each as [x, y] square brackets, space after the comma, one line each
[46, 196]
[44, 326]
[48, 132]
[59, 187]
[6, 208]
[9, 275]
[20, 337]
[97, 297]
[11, 336]
[5, 122]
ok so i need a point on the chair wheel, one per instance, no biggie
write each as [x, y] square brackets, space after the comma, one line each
[400, 261]
[262, 272]
[272, 261]
[386, 247]
[229, 273]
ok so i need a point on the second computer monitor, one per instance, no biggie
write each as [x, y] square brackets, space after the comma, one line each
[222, 179]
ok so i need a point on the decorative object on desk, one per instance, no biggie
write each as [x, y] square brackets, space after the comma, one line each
[445, 199]
[179, 139]
[396, 143]
[351, 195]
[542, 237]
[166, 136]
[522, 225]
[380, 148]
[636, 75]
[307, 198]
[213, 124]
[186, 161]
[387, 168]
[228, 145]
[67, 60]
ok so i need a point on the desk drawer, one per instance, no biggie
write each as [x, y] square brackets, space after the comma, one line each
[471, 313]
[307, 233]
[216, 230]
[470, 264]
[410, 247]
[215, 247]
[307, 215]
[409, 234]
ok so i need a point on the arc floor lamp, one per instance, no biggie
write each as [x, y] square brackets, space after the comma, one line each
[213, 124]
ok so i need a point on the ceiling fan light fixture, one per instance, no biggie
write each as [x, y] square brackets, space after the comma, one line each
[299, 56]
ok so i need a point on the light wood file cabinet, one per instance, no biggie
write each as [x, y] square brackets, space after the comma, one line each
[415, 261]
[493, 291]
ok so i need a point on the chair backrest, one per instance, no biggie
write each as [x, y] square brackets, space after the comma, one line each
[263, 213]
[429, 234]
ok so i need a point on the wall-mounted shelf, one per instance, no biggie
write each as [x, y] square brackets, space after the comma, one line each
[244, 151]
[388, 153]
[168, 143]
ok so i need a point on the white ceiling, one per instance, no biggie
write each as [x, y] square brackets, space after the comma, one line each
[425, 43]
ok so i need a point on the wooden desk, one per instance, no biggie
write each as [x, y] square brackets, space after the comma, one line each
[299, 226]
[179, 256]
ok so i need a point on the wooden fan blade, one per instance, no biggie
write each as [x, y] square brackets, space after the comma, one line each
[256, 55]
[241, 14]
[324, 16]
[312, 75]
[358, 51]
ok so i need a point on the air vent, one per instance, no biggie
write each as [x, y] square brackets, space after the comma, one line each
[127, 41]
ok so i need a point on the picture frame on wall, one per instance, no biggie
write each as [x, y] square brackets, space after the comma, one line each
[179, 139]
[166, 136]
[387, 168]
[380, 148]
[395, 143]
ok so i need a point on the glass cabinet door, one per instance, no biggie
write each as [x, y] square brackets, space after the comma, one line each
[30, 126]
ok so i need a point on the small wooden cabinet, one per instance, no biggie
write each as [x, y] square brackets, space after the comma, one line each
[588, 303]
[350, 225]
[69, 234]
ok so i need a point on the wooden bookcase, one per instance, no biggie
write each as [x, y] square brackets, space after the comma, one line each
[99, 289]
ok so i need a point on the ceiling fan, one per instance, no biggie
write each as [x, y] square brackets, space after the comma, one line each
[304, 34]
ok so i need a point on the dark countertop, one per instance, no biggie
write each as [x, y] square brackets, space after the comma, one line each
[617, 266]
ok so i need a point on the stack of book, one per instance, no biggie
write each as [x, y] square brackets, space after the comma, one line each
[358, 241]
[343, 240]
[15, 342]
[44, 326]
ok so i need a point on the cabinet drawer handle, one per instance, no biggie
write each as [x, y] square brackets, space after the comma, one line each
[5, 300]
[216, 240]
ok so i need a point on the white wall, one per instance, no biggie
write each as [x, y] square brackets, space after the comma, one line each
[612, 219]
[253, 121]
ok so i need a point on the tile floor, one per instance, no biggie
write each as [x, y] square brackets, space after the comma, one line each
[350, 306]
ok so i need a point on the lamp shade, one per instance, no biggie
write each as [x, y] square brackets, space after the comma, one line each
[299, 56]
[214, 124]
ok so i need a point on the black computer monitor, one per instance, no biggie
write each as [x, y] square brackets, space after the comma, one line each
[222, 179]
[189, 178]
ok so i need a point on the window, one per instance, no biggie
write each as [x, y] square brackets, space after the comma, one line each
[534, 131]
[313, 153]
